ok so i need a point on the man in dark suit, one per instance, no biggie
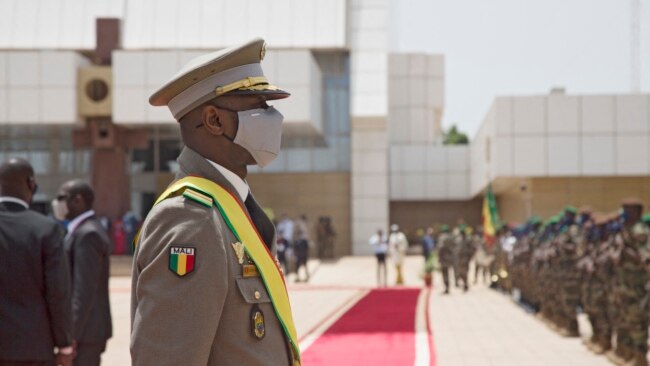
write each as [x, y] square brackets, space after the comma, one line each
[88, 248]
[35, 312]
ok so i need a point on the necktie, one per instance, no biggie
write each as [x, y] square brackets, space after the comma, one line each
[254, 212]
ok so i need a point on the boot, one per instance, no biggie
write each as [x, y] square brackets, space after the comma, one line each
[638, 359]
[624, 352]
[573, 328]
[605, 342]
[597, 348]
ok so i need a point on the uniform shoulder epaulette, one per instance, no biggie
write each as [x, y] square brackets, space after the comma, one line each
[198, 196]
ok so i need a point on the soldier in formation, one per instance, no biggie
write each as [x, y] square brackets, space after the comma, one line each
[589, 262]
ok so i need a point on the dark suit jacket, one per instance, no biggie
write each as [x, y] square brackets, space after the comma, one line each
[88, 249]
[34, 286]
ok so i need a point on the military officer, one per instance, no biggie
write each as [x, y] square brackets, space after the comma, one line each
[446, 254]
[206, 289]
[466, 249]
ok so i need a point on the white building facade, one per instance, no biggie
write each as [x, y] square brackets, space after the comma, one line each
[362, 138]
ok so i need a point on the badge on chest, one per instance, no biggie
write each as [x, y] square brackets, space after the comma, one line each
[257, 322]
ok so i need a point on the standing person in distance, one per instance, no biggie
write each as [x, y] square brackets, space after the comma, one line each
[302, 247]
[379, 243]
[428, 243]
[446, 249]
[285, 231]
[398, 244]
[35, 311]
[88, 248]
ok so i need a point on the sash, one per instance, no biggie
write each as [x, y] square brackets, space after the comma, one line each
[243, 228]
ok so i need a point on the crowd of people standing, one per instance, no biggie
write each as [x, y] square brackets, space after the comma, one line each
[450, 250]
[580, 261]
[54, 307]
[294, 242]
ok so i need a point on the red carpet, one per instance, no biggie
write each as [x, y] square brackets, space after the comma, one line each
[377, 330]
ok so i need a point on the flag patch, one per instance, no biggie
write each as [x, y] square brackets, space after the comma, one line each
[181, 260]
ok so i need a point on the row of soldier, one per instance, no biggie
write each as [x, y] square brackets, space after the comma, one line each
[584, 262]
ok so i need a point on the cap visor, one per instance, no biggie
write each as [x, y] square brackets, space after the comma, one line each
[269, 93]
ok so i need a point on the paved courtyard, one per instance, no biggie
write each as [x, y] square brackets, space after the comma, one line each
[481, 327]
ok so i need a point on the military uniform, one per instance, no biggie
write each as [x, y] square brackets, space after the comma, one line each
[568, 280]
[446, 255]
[198, 296]
[466, 251]
[632, 277]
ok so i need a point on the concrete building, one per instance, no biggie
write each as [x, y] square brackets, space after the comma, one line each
[362, 140]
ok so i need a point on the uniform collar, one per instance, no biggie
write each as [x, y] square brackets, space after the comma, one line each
[14, 200]
[74, 224]
[240, 185]
[193, 164]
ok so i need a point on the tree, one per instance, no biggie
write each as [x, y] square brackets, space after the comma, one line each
[455, 137]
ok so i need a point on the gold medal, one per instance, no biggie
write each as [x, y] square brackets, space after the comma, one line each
[257, 322]
[239, 251]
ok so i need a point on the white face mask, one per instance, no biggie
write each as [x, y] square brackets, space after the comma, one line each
[59, 209]
[260, 133]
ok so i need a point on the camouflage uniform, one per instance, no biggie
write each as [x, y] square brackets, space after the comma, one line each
[446, 256]
[466, 249]
[600, 308]
[568, 280]
[630, 292]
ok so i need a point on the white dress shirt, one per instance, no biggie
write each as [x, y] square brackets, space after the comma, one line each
[14, 200]
[74, 224]
[240, 185]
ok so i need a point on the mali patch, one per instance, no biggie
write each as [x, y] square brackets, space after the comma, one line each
[181, 260]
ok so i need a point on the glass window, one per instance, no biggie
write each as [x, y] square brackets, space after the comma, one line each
[82, 161]
[142, 160]
[168, 152]
[41, 161]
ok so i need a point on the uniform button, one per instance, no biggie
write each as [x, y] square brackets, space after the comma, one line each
[257, 295]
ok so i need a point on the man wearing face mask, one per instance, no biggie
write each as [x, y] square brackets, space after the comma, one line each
[88, 249]
[206, 288]
[35, 314]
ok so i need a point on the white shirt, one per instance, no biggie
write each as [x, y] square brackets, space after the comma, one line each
[398, 244]
[14, 200]
[240, 185]
[285, 229]
[379, 243]
[74, 224]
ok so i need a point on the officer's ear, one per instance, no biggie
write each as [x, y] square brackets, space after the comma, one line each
[212, 119]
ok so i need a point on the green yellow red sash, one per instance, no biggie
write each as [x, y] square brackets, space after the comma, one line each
[241, 225]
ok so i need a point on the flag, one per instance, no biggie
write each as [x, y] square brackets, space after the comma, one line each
[490, 217]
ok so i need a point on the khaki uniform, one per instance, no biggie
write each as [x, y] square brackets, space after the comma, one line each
[205, 316]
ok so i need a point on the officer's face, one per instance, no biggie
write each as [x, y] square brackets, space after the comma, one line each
[227, 107]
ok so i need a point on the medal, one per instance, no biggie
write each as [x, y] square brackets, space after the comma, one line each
[239, 251]
[257, 322]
